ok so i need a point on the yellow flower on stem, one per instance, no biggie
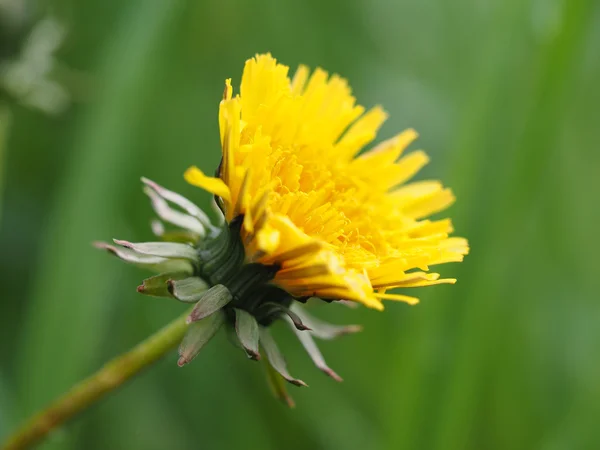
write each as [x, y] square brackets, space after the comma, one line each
[309, 211]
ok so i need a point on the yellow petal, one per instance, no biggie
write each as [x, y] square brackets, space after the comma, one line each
[420, 283]
[230, 129]
[228, 90]
[430, 204]
[242, 196]
[361, 133]
[299, 80]
[389, 151]
[268, 239]
[410, 165]
[213, 185]
[398, 298]
[291, 236]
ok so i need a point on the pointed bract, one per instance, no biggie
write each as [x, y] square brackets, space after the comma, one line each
[321, 329]
[150, 262]
[211, 301]
[172, 216]
[191, 208]
[284, 311]
[180, 236]
[275, 357]
[311, 348]
[157, 285]
[278, 385]
[188, 290]
[161, 249]
[197, 336]
[246, 328]
[158, 228]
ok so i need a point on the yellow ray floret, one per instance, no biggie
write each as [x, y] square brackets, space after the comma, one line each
[340, 224]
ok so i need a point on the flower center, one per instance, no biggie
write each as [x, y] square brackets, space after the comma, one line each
[223, 261]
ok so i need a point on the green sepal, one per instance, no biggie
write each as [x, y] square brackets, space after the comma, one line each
[157, 286]
[211, 301]
[162, 249]
[173, 197]
[269, 308]
[151, 262]
[180, 236]
[173, 216]
[275, 357]
[321, 329]
[313, 351]
[188, 290]
[278, 384]
[246, 328]
[197, 336]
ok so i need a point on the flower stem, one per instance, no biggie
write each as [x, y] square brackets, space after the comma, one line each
[107, 379]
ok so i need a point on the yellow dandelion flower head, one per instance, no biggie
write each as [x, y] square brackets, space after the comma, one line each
[339, 224]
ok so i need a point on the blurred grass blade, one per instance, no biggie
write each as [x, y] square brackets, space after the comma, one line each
[87, 205]
[6, 408]
[5, 118]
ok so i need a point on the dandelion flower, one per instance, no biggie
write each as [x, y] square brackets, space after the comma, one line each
[310, 209]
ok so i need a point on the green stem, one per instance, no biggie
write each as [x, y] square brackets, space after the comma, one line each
[107, 379]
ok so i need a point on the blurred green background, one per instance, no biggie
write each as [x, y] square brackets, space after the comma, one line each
[505, 95]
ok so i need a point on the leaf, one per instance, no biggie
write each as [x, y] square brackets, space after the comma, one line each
[197, 336]
[246, 328]
[275, 357]
[211, 301]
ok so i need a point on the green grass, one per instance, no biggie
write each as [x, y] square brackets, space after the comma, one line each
[504, 95]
